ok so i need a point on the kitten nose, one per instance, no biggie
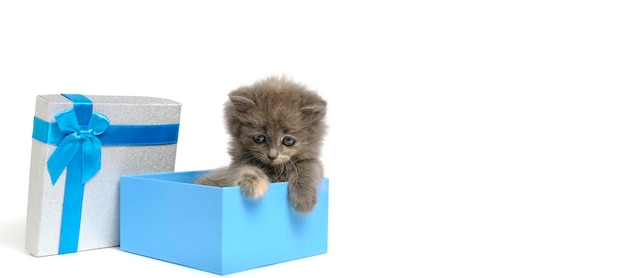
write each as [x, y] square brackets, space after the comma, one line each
[272, 154]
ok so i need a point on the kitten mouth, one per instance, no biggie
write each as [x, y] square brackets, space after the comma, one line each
[276, 161]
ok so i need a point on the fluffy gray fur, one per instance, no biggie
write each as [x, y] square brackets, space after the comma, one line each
[277, 127]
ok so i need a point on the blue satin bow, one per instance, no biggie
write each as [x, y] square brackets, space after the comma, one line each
[79, 138]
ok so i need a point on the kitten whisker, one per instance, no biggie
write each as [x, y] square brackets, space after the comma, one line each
[293, 171]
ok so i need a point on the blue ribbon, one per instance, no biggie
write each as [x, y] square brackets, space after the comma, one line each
[79, 138]
[115, 135]
[79, 135]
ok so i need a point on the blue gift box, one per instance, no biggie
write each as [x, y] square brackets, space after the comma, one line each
[165, 216]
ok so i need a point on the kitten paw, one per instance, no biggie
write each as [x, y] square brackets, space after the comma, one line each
[254, 183]
[303, 199]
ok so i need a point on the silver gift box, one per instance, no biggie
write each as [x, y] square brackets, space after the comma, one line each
[99, 221]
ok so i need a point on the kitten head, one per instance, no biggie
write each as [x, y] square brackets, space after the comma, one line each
[275, 121]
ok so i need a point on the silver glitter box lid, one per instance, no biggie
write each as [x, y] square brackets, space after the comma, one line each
[99, 226]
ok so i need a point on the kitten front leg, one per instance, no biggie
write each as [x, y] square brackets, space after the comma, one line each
[303, 185]
[253, 181]
[217, 177]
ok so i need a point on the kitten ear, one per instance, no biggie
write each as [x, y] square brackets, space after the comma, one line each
[314, 108]
[242, 103]
[316, 111]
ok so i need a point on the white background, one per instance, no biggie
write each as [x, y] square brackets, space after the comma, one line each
[467, 139]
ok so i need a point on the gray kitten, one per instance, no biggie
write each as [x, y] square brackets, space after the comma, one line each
[277, 127]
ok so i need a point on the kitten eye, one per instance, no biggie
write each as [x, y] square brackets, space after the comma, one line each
[258, 138]
[288, 141]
